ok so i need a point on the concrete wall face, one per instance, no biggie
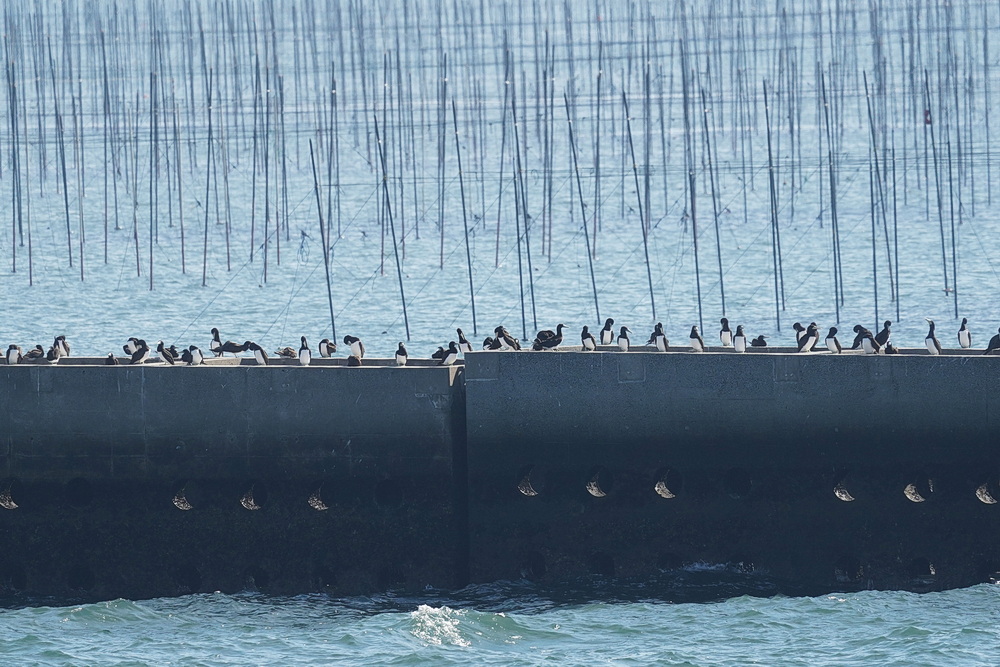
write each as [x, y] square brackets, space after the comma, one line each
[156, 480]
[629, 464]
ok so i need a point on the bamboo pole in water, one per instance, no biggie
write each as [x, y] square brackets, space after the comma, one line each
[465, 219]
[208, 175]
[579, 192]
[392, 227]
[642, 224]
[323, 234]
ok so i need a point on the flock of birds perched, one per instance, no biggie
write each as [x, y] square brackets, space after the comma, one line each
[807, 340]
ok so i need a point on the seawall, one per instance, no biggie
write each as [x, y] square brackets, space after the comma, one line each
[824, 472]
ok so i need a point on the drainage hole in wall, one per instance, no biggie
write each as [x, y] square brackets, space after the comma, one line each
[601, 482]
[669, 483]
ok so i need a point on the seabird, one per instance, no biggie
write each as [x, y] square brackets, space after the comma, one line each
[931, 341]
[232, 348]
[548, 339]
[357, 347]
[258, 353]
[197, 357]
[141, 353]
[450, 355]
[287, 352]
[860, 333]
[463, 343]
[800, 331]
[807, 342]
[111, 359]
[832, 343]
[507, 342]
[740, 339]
[401, 355]
[964, 334]
[165, 354]
[131, 346]
[53, 354]
[63, 346]
[882, 337]
[326, 348]
[438, 353]
[305, 354]
[869, 344]
[35, 353]
[994, 343]
[623, 342]
[14, 355]
[587, 340]
[759, 341]
[725, 335]
[658, 338]
[697, 344]
[353, 360]
[216, 343]
[607, 333]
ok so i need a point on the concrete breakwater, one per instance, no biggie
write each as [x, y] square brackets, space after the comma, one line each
[826, 472]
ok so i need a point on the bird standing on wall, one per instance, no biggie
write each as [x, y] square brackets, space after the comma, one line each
[607, 334]
[697, 343]
[357, 347]
[800, 331]
[14, 355]
[623, 341]
[450, 355]
[130, 346]
[931, 341]
[725, 334]
[994, 343]
[60, 342]
[233, 348]
[964, 334]
[832, 343]
[507, 342]
[658, 338]
[305, 354]
[141, 353]
[53, 354]
[759, 341]
[548, 339]
[860, 333]
[259, 354]
[216, 343]
[463, 343]
[111, 359]
[400, 355]
[869, 344]
[587, 341]
[810, 339]
[740, 339]
[164, 353]
[882, 337]
[193, 356]
[326, 348]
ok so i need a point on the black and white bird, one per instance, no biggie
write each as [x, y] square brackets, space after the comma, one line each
[353, 360]
[587, 340]
[994, 343]
[759, 341]
[438, 353]
[832, 343]
[548, 339]
[111, 359]
[931, 341]
[658, 338]
[53, 354]
[869, 343]
[141, 353]
[810, 339]
[193, 356]
[450, 355]
[232, 348]
[14, 355]
[507, 342]
[63, 346]
[287, 352]
[859, 335]
[490, 343]
[623, 341]
[882, 337]
[964, 334]
[165, 354]
[697, 344]
[726, 334]
[401, 354]
[607, 334]
[326, 348]
[259, 354]
[740, 339]
[216, 343]
[800, 331]
[34, 354]
[463, 343]
[305, 354]
[130, 346]
[357, 347]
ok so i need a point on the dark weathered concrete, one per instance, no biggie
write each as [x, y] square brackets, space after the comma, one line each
[156, 480]
[752, 447]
